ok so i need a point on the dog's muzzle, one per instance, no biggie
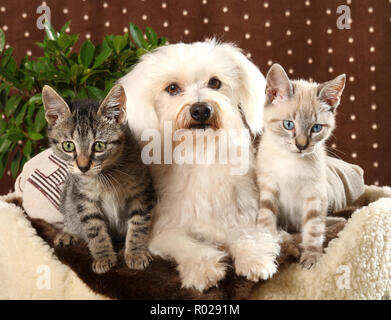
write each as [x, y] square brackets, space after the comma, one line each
[201, 112]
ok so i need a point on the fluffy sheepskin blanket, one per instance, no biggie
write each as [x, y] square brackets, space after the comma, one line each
[357, 265]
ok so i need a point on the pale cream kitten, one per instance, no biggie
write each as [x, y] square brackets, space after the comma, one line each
[299, 117]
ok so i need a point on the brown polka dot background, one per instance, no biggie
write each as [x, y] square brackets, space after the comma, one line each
[302, 35]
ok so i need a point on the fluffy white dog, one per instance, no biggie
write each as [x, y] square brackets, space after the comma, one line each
[204, 212]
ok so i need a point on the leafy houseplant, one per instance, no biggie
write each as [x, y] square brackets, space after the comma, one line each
[88, 74]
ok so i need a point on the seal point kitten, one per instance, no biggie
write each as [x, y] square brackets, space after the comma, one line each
[109, 193]
[299, 117]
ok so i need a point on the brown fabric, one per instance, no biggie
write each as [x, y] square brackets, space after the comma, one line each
[293, 33]
[160, 280]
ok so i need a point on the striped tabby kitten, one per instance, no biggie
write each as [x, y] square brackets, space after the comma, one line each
[109, 193]
[299, 118]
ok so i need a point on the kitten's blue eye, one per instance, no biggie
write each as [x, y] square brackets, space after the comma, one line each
[317, 128]
[288, 125]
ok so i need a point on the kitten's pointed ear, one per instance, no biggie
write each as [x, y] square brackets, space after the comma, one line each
[330, 92]
[55, 106]
[278, 85]
[114, 105]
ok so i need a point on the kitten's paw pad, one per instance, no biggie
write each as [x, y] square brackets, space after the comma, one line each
[202, 274]
[104, 264]
[256, 269]
[309, 259]
[64, 239]
[138, 260]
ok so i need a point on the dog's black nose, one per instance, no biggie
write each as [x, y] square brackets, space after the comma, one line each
[201, 111]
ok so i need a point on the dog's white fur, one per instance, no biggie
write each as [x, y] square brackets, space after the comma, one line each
[203, 213]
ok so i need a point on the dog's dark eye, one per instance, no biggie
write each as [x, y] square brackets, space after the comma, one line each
[173, 89]
[214, 83]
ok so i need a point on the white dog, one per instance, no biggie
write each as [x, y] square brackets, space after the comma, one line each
[204, 212]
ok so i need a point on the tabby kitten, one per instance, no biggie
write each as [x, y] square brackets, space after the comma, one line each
[109, 193]
[299, 117]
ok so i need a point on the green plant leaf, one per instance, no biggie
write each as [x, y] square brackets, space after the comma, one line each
[15, 165]
[3, 161]
[3, 126]
[6, 56]
[4, 144]
[15, 134]
[95, 93]
[27, 149]
[12, 104]
[40, 121]
[151, 36]
[35, 136]
[2, 40]
[102, 57]
[21, 114]
[138, 36]
[52, 35]
[87, 51]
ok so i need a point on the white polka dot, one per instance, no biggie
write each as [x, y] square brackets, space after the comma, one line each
[144, 17]
[370, 10]
[24, 15]
[29, 53]
[184, 12]
[330, 50]
[247, 36]
[248, 55]
[88, 36]
[291, 71]
[373, 88]
[107, 24]
[351, 79]
[126, 29]
[374, 107]
[376, 183]
[2, 9]
[372, 49]
[165, 24]
[124, 10]
[351, 59]
[352, 98]
[65, 10]
[269, 62]
[310, 60]
[353, 136]
[186, 32]
[329, 31]
[5, 27]
[287, 13]
[351, 40]
[85, 17]
[164, 5]
[245, 16]
[328, 11]
[376, 164]
[204, 1]
[307, 3]
[288, 32]
[226, 28]
[308, 22]
[27, 34]
[371, 29]
[105, 5]
[225, 9]
[375, 145]
[268, 43]
[334, 146]
[266, 5]
[309, 41]
[374, 126]
[373, 68]
[68, 30]
[354, 155]
[289, 52]
[267, 24]
[331, 69]
[206, 20]
[353, 117]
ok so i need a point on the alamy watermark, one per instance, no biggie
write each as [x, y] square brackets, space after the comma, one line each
[344, 21]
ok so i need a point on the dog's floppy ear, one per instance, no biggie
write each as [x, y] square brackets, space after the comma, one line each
[251, 92]
[140, 108]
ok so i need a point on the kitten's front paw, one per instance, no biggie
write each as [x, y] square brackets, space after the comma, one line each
[138, 260]
[204, 273]
[104, 264]
[64, 239]
[255, 269]
[309, 259]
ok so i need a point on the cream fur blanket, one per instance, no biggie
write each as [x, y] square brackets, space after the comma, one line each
[357, 265]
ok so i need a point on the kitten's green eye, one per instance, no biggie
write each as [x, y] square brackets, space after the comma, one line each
[288, 125]
[99, 146]
[317, 128]
[68, 146]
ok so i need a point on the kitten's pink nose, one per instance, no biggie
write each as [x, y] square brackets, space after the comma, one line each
[301, 143]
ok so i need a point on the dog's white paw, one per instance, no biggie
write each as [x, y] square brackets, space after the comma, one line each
[256, 269]
[203, 273]
[255, 255]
